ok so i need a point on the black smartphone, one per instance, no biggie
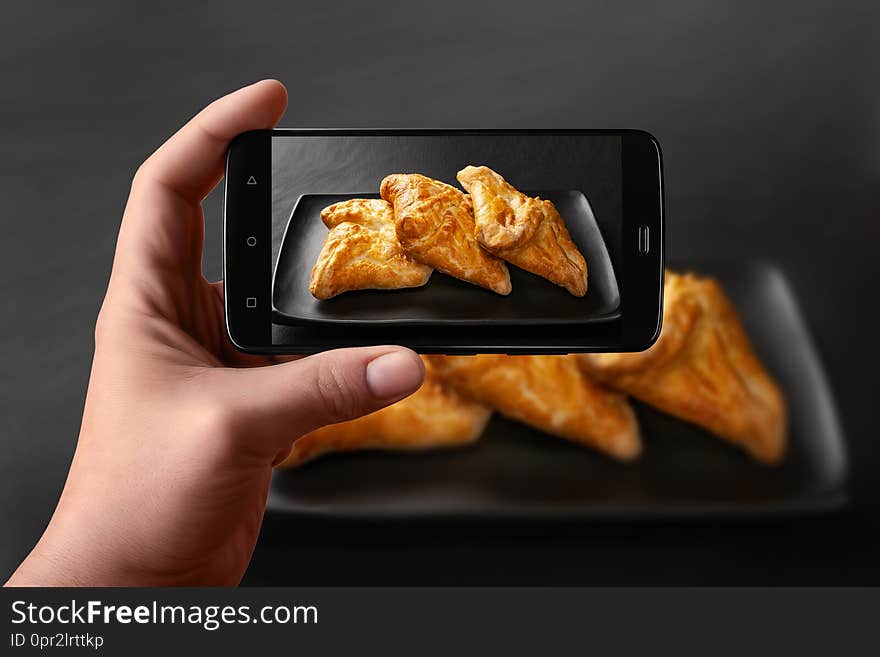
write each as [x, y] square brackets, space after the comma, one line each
[605, 185]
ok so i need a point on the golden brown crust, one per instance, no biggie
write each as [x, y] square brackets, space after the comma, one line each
[361, 251]
[434, 416]
[505, 217]
[434, 224]
[549, 393]
[703, 369]
[372, 213]
[525, 231]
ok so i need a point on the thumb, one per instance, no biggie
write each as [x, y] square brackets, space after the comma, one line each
[283, 402]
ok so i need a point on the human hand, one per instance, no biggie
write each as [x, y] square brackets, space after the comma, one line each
[180, 431]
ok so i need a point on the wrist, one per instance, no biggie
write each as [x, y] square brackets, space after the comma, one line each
[73, 551]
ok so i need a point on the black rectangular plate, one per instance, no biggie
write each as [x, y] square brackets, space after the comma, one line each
[444, 299]
[517, 472]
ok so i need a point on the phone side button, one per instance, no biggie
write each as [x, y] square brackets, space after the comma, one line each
[644, 239]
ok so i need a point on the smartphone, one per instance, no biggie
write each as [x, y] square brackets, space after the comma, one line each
[605, 185]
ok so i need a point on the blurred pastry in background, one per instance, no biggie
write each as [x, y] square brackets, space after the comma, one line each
[435, 416]
[703, 370]
[361, 251]
[549, 393]
[434, 224]
[524, 231]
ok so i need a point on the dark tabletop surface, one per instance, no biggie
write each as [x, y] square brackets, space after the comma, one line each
[770, 125]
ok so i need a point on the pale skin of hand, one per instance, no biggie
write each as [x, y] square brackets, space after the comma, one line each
[180, 431]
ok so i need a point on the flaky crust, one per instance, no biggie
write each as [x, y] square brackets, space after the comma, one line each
[435, 416]
[505, 217]
[702, 369]
[549, 393]
[434, 223]
[527, 232]
[361, 251]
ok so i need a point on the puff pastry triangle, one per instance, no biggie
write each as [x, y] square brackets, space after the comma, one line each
[434, 223]
[361, 251]
[549, 393]
[527, 232]
[702, 369]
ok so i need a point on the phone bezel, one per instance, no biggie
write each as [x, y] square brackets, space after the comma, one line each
[247, 265]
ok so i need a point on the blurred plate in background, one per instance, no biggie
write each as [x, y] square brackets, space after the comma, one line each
[518, 472]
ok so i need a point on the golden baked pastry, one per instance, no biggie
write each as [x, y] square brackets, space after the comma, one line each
[702, 369]
[361, 251]
[434, 223]
[434, 416]
[527, 232]
[549, 393]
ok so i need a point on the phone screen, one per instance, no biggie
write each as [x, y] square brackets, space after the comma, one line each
[544, 254]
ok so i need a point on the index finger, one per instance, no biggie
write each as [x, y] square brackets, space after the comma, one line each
[191, 162]
[162, 225]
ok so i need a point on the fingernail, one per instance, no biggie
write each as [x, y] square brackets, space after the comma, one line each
[393, 374]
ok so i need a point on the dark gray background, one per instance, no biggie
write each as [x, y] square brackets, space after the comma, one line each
[770, 126]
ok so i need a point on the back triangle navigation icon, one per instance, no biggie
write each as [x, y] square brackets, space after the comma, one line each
[252, 181]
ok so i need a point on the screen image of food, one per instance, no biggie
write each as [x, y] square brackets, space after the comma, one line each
[447, 228]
